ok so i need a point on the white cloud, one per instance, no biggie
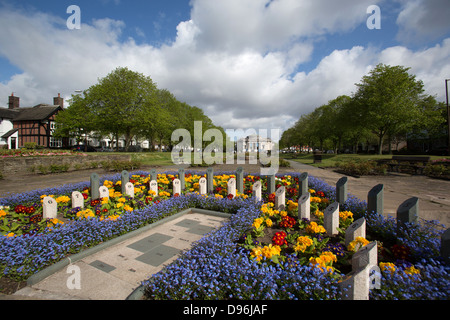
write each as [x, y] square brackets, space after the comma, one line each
[423, 20]
[238, 60]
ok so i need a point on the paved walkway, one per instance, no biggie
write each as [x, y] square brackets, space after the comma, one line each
[114, 272]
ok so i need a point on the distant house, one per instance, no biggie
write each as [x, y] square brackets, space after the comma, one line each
[30, 124]
[254, 143]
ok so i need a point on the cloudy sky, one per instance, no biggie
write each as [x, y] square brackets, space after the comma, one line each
[247, 63]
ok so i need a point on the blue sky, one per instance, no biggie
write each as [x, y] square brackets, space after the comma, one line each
[246, 63]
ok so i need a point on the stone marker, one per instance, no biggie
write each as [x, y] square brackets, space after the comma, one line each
[280, 199]
[49, 206]
[355, 285]
[240, 180]
[176, 186]
[375, 199]
[271, 183]
[367, 255]
[95, 184]
[202, 185]
[358, 282]
[341, 190]
[408, 211]
[256, 190]
[103, 192]
[153, 175]
[356, 229]
[124, 177]
[303, 184]
[232, 186]
[77, 199]
[129, 189]
[154, 187]
[331, 218]
[304, 206]
[445, 246]
[210, 180]
[181, 176]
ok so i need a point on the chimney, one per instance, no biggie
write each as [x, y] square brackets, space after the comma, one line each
[13, 102]
[58, 101]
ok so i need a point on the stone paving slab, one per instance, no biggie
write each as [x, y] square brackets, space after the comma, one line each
[116, 271]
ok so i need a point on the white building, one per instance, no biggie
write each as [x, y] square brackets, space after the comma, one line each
[8, 135]
[254, 143]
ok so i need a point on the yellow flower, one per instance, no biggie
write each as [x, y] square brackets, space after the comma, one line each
[257, 222]
[387, 267]
[84, 214]
[268, 222]
[128, 208]
[3, 213]
[358, 243]
[105, 200]
[303, 242]
[412, 270]
[318, 214]
[344, 215]
[256, 253]
[316, 199]
[11, 234]
[119, 205]
[218, 196]
[62, 199]
[311, 191]
[269, 251]
[313, 227]
[122, 200]
[324, 261]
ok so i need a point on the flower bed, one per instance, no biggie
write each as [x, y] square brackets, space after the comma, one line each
[261, 253]
[12, 153]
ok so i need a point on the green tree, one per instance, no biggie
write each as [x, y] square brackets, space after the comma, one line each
[117, 101]
[388, 101]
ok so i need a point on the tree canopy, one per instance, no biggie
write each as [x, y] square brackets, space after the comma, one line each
[128, 104]
[389, 102]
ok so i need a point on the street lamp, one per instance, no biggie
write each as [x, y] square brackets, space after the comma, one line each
[448, 117]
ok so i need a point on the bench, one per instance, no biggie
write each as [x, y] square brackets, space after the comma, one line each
[397, 162]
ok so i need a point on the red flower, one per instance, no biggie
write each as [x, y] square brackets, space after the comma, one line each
[230, 196]
[176, 195]
[400, 252]
[287, 222]
[279, 238]
[85, 196]
[320, 194]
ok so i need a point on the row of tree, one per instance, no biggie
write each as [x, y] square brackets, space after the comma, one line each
[389, 104]
[126, 104]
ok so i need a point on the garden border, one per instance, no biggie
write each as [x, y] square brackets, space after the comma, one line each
[41, 275]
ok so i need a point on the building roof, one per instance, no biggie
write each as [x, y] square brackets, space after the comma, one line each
[8, 113]
[9, 133]
[36, 113]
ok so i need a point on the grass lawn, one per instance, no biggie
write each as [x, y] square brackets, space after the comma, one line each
[329, 160]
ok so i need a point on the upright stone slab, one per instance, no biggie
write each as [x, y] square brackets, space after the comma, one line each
[124, 177]
[341, 190]
[240, 180]
[304, 206]
[181, 176]
[77, 200]
[303, 184]
[50, 208]
[356, 285]
[153, 175]
[154, 187]
[210, 180]
[129, 189]
[176, 186]
[356, 229]
[280, 199]
[202, 185]
[232, 186]
[408, 211]
[256, 191]
[95, 184]
[103, 192]
[367, 255]
[331, 218]
[271, 183]
[375, 199]
[445, 246]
